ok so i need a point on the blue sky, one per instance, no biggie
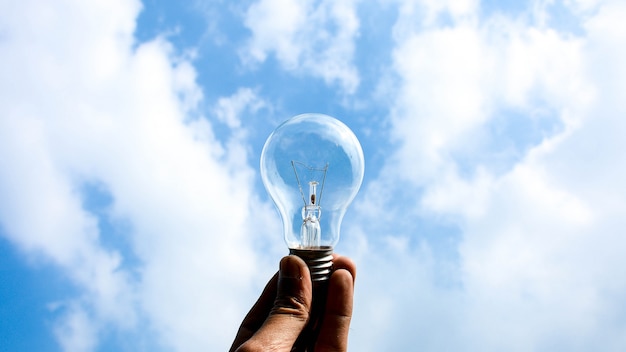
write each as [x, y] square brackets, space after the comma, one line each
[491, 217]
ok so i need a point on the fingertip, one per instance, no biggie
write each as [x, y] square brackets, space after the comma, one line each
[294, 281]
[342, 282]
[292, 267]
[342, 262]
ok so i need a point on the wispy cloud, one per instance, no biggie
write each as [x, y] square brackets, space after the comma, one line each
[306, 37]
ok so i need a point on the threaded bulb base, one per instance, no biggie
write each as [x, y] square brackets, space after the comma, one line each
[319, 261]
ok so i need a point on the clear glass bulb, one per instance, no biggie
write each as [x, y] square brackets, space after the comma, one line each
[312, 166]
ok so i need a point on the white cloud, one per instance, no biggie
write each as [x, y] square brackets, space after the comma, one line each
[538, 258]
[307, 37]
[415, 14]
[82, 103]
[229, 109]
[76, 331]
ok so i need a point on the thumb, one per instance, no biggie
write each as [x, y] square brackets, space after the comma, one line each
[291, 308]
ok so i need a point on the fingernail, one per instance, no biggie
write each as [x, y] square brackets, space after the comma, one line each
[290, 269]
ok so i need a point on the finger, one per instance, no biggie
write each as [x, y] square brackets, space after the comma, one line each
[257, 314]
[341, 262]
[335, 327]
[290, 312]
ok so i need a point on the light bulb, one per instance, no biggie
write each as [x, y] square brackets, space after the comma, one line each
[312, 167]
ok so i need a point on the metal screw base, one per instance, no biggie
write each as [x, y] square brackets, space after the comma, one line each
[319, 261]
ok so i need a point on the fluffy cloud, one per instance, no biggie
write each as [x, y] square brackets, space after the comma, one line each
[83, 106]
[307, 37]
[537, 262]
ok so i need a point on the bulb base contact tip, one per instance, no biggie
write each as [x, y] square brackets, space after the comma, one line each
[319, 260]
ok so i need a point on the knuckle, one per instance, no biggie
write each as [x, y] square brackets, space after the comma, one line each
[291, 305]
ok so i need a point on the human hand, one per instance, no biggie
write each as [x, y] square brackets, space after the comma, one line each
[284, 309]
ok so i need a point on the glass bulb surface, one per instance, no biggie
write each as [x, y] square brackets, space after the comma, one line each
[312, 167]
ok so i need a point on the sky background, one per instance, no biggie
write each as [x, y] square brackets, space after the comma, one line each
[492, 213]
